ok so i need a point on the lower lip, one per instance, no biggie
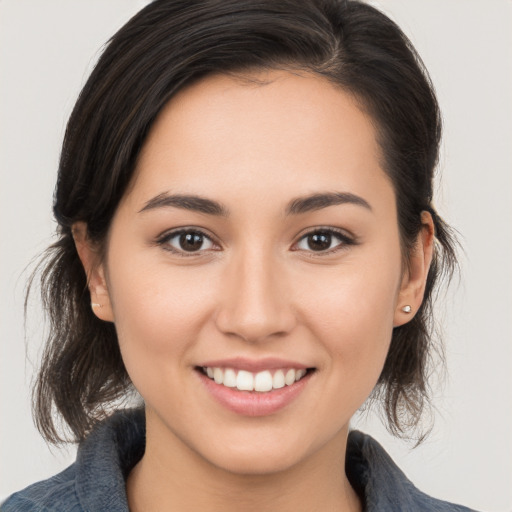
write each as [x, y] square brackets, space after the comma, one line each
[254, 403]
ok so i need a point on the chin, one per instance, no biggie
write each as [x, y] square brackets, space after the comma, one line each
[256, 458]
[256, 464]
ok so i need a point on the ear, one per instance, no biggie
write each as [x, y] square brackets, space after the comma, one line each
[88, 252]
[412, 288]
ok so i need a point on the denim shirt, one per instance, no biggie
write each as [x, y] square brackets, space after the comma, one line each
[97, 479]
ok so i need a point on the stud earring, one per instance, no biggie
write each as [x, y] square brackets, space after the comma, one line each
[406, 309]
[95, 305]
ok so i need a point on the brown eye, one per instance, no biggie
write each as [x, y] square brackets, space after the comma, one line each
[187, 241]
[319, 241]
[323, 240]
[191, 241]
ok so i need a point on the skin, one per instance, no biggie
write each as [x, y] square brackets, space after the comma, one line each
[257, 290]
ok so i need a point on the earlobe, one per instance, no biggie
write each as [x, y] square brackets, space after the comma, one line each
[89, 255]
[413, 284]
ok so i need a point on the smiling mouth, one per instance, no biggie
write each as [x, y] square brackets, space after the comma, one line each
[261, 382]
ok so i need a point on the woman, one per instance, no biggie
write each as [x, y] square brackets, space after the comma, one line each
[247, 238]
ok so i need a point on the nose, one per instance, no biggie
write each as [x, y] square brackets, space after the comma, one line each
[255, 304]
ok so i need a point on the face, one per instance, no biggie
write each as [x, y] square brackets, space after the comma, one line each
[259, 237]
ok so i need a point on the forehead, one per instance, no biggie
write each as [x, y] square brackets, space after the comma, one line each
[258, 131]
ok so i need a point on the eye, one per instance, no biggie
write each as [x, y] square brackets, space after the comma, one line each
[186, 241]
[323, 240]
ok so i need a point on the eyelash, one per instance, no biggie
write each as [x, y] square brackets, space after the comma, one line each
[344, 241]
[164, 239]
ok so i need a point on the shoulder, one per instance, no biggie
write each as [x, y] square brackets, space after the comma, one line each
[380, 482]
[96, 481]
[56, 493]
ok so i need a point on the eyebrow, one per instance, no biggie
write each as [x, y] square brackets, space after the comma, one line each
[296, 206]
[186, 202]
[323, 200]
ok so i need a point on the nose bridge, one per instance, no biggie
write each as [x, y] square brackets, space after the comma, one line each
[255, 302]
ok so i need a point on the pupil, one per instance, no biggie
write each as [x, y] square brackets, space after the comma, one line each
[191, 241]
[319, 241]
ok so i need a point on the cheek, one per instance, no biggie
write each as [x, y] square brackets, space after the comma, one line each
[351, 311]
[159, 312]
[358, 297]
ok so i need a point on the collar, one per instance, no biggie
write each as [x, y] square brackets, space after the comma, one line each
[115, 445]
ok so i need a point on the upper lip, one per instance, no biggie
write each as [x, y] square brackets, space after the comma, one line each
[254, 365]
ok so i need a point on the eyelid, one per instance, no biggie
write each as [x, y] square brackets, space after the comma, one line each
[164, 237]
[347, 239]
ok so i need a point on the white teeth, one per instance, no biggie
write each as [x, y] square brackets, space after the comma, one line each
[218, 375]
[229, 378]
[244, 381]
[261, 382]
[289, 378]
[299, 374]
[278, 380]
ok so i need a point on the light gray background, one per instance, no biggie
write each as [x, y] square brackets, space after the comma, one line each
[47, 49]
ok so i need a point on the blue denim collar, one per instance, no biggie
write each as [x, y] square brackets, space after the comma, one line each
[97, 480]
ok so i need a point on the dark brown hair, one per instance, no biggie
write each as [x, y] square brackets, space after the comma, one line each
[167, 46]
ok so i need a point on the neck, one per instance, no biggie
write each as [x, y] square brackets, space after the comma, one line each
[171, 476]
